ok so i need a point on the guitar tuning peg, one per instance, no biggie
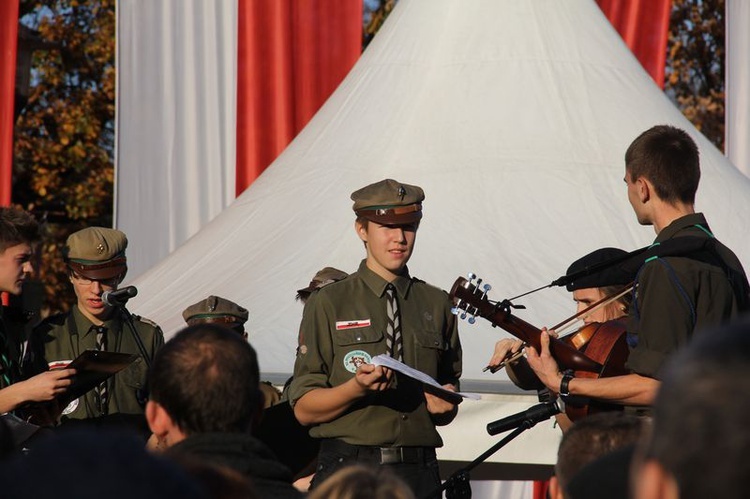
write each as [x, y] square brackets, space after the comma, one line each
[471, 276]
[486, 287]
[454, 310]
[472, 319]
[463, 315]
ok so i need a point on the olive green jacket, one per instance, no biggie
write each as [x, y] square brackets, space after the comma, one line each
[344, 324]
[60, 339]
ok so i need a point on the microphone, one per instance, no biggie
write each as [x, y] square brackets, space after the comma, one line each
[119, 296]
[530, 416]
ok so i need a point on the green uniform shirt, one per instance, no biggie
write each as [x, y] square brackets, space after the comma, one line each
[677, 296]
[62, 338]
[344, 324]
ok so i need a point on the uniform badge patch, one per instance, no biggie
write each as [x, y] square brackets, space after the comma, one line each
[341, 325]
[356, 358]
[71, 407]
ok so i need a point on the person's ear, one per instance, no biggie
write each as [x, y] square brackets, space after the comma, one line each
[555, 490]
[644, 189]
[361, 230]
[157, 418]
[654, 482]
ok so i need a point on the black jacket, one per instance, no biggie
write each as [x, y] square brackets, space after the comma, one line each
[245, 454]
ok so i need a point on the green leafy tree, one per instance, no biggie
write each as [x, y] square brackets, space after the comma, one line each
[64, 135]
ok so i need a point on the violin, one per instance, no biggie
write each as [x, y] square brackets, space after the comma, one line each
[595, 350]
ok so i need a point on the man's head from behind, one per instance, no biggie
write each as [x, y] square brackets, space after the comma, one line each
[699, 445]
[590, 439]
[18, 233]
[205, 379]
[668, 158]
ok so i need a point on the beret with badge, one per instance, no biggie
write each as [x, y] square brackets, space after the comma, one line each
[389, 202]
[97, 253]
[215, 309]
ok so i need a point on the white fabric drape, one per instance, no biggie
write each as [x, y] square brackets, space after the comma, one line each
[176, 121]
[737, 145]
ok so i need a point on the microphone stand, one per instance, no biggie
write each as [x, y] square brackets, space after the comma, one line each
[138, 341]
[457, 485]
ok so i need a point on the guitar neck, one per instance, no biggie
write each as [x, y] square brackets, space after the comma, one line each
[566, 355]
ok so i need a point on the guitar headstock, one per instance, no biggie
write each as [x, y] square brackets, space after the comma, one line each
[469, 297]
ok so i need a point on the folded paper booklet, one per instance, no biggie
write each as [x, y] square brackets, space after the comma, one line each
[92, 368]
[391, 363]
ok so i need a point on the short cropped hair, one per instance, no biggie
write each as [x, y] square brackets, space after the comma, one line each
[668, 158]
[593, 437]
[207, 379]
[700, 433]
[17, 227]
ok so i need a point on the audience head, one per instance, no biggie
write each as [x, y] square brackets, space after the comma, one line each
[589, 439]
[322, 278]
[699, 444]
[362, 482]
[94, 464]
[18, 233]
[217, 310]
[668, 158]
[205, 379]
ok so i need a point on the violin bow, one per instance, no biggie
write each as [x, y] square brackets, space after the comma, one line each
[591, 308]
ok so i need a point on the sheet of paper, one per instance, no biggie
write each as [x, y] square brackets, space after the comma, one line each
[391, 363]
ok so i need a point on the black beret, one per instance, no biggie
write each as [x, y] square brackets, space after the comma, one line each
[612, 275]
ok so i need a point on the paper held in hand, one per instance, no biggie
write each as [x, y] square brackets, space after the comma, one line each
[391, 363]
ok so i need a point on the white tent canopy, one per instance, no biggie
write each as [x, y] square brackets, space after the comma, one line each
[513, 115]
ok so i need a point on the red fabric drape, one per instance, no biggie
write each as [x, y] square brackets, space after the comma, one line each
[644, 26]
[8, 44]
[292, 56]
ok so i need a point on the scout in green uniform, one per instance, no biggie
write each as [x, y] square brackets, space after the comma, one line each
[96, 263]
[362, 412]
[18, 233]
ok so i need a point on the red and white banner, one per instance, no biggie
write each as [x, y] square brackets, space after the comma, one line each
[209, 93]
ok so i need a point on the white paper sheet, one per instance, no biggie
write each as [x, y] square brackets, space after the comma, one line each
[391, 363]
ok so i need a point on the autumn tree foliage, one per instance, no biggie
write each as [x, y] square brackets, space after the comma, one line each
[64, 135]
[694, 76]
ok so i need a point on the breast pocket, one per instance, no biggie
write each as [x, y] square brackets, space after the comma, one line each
[430, 347]
[134, 376]
[353, 348]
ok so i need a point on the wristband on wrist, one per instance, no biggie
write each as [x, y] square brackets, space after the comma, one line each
[565, 384]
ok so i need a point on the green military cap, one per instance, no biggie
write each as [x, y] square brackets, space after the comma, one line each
[97, 253]
[322, 278]
[215, 309]
[389, 202]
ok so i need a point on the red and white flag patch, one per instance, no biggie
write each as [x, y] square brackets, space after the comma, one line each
[341, 325]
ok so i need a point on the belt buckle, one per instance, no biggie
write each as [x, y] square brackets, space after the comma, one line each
[391, 455]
